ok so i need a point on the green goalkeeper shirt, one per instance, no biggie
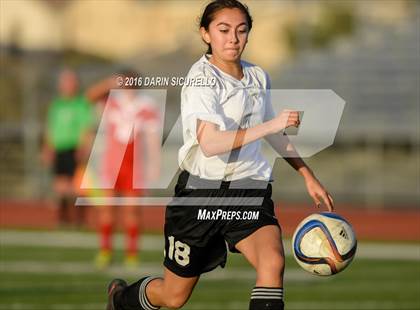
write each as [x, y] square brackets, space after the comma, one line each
[68, 120]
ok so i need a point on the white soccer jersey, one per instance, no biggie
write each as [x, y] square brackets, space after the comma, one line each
[231, 104]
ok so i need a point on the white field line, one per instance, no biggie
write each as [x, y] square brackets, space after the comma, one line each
[369, 250]
[304, 305]
[37, 267]
[386, 287]
[352, 305]
[81, 240]
[24, 306]
[315, 305]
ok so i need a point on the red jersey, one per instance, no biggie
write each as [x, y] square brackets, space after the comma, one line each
[128, 115]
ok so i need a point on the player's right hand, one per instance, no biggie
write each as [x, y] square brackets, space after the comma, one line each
[47, 156]
[285, 119]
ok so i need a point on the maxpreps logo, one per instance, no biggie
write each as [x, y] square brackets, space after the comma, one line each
[322, 113]
[219, 214]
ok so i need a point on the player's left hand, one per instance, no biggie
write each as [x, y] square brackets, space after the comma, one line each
[318, 193]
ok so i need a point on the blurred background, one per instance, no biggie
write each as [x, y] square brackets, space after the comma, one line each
[368, 52]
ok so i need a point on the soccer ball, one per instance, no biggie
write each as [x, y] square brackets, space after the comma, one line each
[324, 244]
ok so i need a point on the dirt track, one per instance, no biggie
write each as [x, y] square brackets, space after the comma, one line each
[373, 224]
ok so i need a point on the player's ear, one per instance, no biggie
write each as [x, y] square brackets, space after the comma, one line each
[205, 35]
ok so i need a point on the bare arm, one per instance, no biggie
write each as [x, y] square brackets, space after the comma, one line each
[47, 151]
[100, 89]
[316, 190]
[214, 141]
[153, 155]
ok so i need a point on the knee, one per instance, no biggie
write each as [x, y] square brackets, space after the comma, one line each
[271, 267]
[275, 264]
[176, 300]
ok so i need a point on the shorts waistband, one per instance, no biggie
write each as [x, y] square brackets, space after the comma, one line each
[188, 180]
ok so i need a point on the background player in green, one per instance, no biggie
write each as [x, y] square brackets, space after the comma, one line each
[67, 138]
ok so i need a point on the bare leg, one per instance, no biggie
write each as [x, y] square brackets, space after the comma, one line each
[105, 226]
[132, 232]
[264, 251]
[172, 291]
[63, 187]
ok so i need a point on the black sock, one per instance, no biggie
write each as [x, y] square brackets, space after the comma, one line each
[133, 297]
[80, 214]
[266, 298]
[63, 214]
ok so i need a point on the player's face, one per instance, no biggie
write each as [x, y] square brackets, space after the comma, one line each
[227, 34]
[68, 84]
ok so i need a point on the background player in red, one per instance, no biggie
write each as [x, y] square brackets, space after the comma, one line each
[131, 158]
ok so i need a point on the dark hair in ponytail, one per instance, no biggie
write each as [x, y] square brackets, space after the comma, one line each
[213, 7]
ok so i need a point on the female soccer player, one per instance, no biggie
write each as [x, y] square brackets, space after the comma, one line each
[223, 175]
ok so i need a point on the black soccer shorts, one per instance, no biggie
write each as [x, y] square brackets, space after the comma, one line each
[206, 217]
[65, 163]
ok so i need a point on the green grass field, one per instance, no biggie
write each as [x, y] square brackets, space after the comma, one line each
[43, 274]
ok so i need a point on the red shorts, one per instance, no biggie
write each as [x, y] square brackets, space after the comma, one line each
[125, 179]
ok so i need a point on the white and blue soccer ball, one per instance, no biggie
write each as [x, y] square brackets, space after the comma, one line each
[324, 244]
